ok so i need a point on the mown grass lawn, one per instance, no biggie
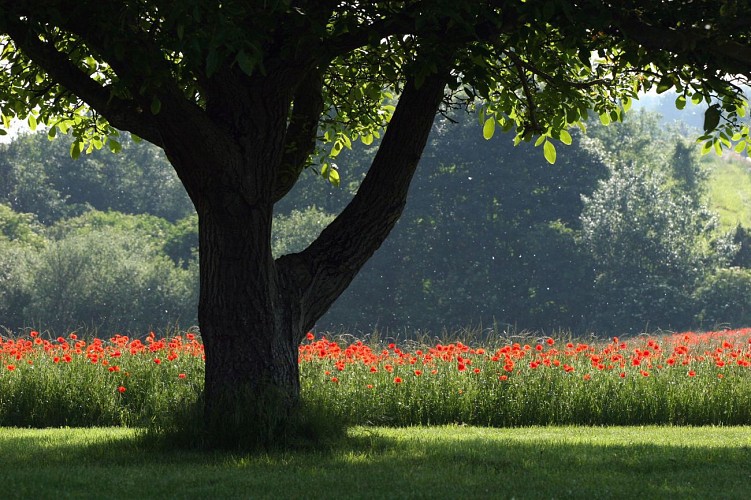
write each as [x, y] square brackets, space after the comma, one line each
[378, 462]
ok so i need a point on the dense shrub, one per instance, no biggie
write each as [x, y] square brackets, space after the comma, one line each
[650, 246]
[107, 279]
[724, 299]
[17, 269]
[293, 232]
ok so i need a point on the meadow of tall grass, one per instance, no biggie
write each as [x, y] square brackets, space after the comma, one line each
[687, 378]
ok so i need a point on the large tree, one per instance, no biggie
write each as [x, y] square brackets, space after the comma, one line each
[243, 95]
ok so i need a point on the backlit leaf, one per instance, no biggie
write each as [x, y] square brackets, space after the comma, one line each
[549, 152]
[488, 129]
[565, 137]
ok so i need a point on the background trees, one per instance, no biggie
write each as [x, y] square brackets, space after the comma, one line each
[615, 237]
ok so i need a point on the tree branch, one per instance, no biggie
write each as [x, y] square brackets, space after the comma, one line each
[124, 115]
[521, 70]
[300, 139]
[729, 56]
[329, 264]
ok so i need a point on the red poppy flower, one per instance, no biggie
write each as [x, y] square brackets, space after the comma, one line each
[397, 380]
[121, 389]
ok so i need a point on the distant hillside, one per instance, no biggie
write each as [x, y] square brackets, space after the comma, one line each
[730, 189]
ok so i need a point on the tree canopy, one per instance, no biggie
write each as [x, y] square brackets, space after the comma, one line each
[534, 67]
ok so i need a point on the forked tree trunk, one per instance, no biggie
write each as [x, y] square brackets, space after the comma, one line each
[253, 310]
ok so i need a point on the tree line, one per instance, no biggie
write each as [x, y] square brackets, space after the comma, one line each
[615, 237]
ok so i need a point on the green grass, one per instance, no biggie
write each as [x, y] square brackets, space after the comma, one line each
[416, 462]
[730, 191]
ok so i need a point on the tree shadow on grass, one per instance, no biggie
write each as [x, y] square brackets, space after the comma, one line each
[377, 463]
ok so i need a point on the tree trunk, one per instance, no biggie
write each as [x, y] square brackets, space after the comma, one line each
[254, 311]
[251, 331]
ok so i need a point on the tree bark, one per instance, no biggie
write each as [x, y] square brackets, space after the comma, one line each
[249, 330]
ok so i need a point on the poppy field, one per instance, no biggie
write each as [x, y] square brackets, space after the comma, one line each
[687, 378]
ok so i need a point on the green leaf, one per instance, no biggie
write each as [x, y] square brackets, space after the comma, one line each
[3, 131]
[32, 120]
[334, 177]
[367, 139]
[549, 152]
[680, 102]
[565, 137]
[740, 147]
[75, 150]
[711, 118]
[665, 84]
[336, 149]
[246, 63]
[605, 118]
[114, 145]
[488, 129]
[213, 61]
[156, 105]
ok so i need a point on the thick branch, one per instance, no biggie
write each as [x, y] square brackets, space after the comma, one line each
[300, 139]
[121, 114]
[729, 56]
[330, 263]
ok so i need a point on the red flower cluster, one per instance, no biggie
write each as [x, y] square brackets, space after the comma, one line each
[109, 354]
[642, 355]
